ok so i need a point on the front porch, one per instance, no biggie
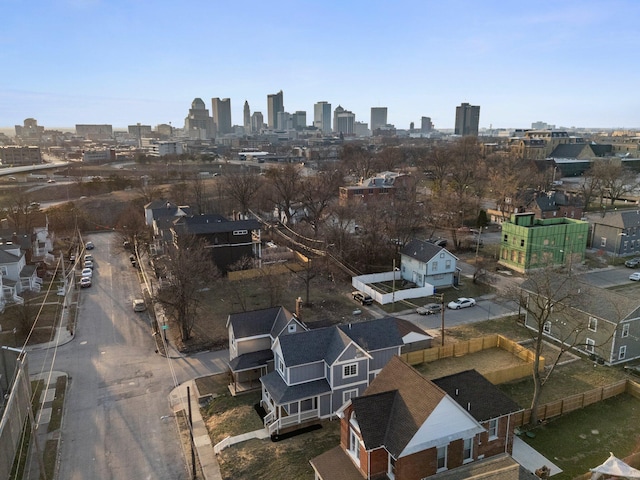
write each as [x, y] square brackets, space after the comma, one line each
[246, 370]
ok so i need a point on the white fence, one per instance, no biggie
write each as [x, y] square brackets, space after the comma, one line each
[362, 283]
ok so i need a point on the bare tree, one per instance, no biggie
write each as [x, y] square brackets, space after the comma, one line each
[317, 193]
[190, 267]
[285, 188]
[358, 160]
[509, 180]
[131, 225]
[242, 188]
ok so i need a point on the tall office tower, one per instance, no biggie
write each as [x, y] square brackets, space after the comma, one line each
[467, 119]
[221, 111]
[198, 124]
[322, 117]
[275, 104]
[257, 122]
[343, 121]
[284, 121]
[247, 117]
[378, 118]
[299, 120]
[426, 126]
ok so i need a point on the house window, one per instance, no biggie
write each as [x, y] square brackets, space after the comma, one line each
[522, 242]
[593, 324]
[3, 270]
[441, 458]
[350, 370]
[447, 264]
[547, 328]
[354, 441]
[349, 394]
[603, 241]
[622, 352]
[506, 237]
[442, 255]
[391, 468]
[591, 344]
[467, 450]
[493, 429]
[434, 266]
[280, 366]
[240, 232]
[291, 328]
[625, 330]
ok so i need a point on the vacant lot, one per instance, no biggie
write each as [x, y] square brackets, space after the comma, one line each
[484, 361]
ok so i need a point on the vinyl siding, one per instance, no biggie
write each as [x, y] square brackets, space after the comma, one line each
[306, 373]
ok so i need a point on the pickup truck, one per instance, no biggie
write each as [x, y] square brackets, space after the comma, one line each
[362, 298]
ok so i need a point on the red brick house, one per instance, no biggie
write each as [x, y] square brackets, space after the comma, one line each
[405, 427]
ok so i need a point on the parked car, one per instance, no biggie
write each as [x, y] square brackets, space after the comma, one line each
[362, 298]
[87, 272]
[88, 264]
[632, 263]
[461, 302]
[429, 309]
[89, 246]
[635, 276]
[88, 257]
[139, 305]
[85, 282]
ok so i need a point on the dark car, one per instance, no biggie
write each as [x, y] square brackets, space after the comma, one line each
[632, 263]
[362, 298]
[89, 246]
[429, 309]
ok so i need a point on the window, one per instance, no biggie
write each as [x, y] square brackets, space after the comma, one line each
[447, 264]
[622, 352]
[441, 459]
[280, 366]
[349, 394]
[506, 237]
[593, 324]
[591, 344]
[603, 241]
[625, 330]
[442, 255]
[467, 450]
[291, 328]
[350, 370]
[522, 242]
[354, 441]
[240, 232]
[493, 429]
[434, 266]
[547, 328]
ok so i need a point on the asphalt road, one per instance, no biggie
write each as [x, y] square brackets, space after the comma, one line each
[118, 386]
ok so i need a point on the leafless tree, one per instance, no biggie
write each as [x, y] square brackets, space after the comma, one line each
[357, 159]
[317, 193]
[242, 188]
[284, 183]
[190, 267]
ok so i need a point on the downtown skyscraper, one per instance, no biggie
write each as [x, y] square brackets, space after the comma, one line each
[467, 119]
[275, 104]
[221, 110]
[322, 117]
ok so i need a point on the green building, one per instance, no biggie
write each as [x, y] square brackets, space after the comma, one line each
[529, 243]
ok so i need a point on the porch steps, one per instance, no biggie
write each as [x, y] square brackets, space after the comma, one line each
[227, 442]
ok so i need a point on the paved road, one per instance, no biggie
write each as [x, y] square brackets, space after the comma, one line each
[118, 386]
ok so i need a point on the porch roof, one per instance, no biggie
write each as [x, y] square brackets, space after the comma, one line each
[282, 393]
[251, 361]
[334, 464]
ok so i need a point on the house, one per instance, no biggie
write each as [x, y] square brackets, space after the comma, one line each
[598, 322]
[425, 263]
[380, 187]
[251, 336]
[529, 243]
[17, 276]
[554, 204]
[163, 209]
[228, 240]
[316, 371]
[617, 233]
[406, 427]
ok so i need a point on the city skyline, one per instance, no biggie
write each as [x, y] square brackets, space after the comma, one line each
[92, 62]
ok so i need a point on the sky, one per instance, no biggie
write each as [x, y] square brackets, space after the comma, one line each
[121, 62]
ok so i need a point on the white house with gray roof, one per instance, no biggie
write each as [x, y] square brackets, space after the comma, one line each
[425, 263]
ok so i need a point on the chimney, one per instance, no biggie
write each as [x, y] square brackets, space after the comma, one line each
[299, 307]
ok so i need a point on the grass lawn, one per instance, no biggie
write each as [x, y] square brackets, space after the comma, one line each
[583, 439]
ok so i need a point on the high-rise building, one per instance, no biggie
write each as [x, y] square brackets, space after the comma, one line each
[426, 126]
[299, 120]
[322, 117]
[198, 125]
[343, 121]
[221, 111]
[378, 118]
[467, 119]
[257, 122]
[246, 117]
[275, 104]
[284, 121]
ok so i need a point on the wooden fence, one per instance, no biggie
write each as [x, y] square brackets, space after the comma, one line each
[476, 345]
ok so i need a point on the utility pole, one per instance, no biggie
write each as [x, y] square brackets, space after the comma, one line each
[442, 319]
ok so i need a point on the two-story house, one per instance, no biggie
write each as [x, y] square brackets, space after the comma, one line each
[617, 233]
[405, 427]
[425, 263]
[316, 371]
[251, 336]
[17, 276]
[383, 186]
[598, 322]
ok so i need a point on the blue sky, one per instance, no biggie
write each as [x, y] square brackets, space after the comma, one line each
[568, 63]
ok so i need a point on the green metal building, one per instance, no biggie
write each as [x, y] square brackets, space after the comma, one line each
[530, 243]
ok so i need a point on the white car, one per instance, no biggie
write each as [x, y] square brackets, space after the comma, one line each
[85, 282]
[635, 276]
[87, 272]
[88, 264]
[461, 302]
[139, 305]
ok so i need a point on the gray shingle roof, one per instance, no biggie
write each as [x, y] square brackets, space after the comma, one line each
[421, 250]
[259, 322]
[250, 361]
[572, 150]
[280, 392]
[203, 224]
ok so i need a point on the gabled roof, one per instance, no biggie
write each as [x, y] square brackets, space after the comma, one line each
[405, 412]
[212, 223]
[483, 400]
[572, 150]
[627, 219]
[7, 257]
[165, 208]
[267, 321]
[422, 250]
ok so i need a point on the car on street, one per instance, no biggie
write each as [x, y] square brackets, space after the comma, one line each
[635, 276]
[85, 282]
[89, 246]
[462, 302]
[429, 309]
[139, 305]
[88, 264]
[632, 263]
[87, 272]
[362, 298]
[88, 257]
